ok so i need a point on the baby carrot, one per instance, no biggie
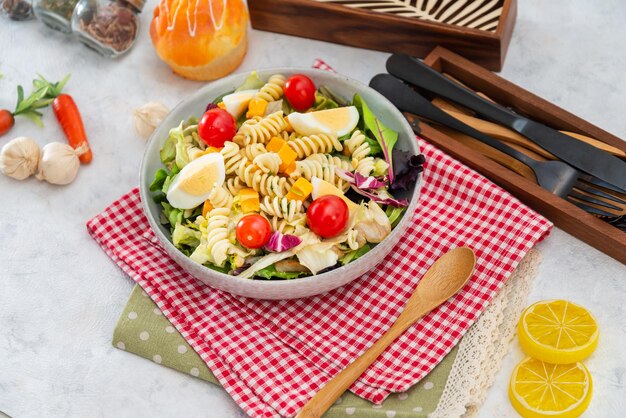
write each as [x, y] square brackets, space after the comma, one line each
[68, 116]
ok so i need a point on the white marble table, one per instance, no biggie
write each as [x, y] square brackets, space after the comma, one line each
[60, 295]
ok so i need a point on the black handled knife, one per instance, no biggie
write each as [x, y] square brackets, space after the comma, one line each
[579, 154]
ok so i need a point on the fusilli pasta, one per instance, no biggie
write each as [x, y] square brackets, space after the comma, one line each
[234, 185]
[364, 166]
[273, 89]
[356, 146]
[232, 157]
[264, 183]
[261, 131]
[221, 198]
[253, 150]
[268, 162]
[290, 210]
[218, 245]
[323, 166]
[312, 144]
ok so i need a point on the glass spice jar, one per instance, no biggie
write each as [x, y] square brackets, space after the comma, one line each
[55, 13]
[17, 9]
[109, 27]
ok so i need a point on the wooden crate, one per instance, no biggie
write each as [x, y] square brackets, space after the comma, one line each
[341, 22]
[565, 215]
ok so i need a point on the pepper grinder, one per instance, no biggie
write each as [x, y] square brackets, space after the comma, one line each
[108, 26]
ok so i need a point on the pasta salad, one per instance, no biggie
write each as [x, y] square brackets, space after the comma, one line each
[281, 179]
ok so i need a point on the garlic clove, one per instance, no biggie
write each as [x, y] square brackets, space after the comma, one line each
[19, 158]
[59, 163]
[148, 117]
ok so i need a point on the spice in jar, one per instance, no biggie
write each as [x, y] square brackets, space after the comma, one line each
[56, 13]
[109, 27]
[17, 9]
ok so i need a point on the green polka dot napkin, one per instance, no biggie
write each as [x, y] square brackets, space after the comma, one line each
[144, 331]
[455, 387]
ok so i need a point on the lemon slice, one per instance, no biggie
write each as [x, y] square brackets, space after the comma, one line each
[558, 331]
[539, 389]
[339, 121]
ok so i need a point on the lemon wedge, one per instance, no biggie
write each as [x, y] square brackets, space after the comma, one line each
[539, 389]
[339, 121]
[558, 331]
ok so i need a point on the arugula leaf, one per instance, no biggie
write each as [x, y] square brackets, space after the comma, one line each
[270, 272]
[385, 136]
[159, 179]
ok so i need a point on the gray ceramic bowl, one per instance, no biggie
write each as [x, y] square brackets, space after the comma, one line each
[283, 289]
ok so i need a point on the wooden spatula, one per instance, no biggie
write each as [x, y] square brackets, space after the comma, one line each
[442, 280]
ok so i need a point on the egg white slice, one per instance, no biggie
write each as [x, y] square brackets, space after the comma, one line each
[193, 184]
[236, 103]
[339, 121]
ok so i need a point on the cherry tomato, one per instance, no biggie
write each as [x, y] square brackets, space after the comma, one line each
[327, 216]
[300, 92]
[216, 127]
[253, 231]
[6, 121]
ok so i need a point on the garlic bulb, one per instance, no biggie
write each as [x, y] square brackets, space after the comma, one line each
[19, 158]
[148, 117]
[59, 163]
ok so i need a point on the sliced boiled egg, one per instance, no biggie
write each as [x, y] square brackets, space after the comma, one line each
[236, 103]
[339, 121]
[323, 188]
[193, 184]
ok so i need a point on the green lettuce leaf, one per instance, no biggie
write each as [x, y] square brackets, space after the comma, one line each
[168, 151]
[323, 102]
[270, 272]
[353, 255]
[385, 136]
[159, 178]
[184, 235]
[252, 82]
[394, 214]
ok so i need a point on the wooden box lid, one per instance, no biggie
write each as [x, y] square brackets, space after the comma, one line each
[479, 30]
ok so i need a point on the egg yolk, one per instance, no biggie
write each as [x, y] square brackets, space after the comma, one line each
[197, 181]
[334, 119]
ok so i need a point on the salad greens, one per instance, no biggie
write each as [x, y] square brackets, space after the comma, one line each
[376, 213]
[385, 136]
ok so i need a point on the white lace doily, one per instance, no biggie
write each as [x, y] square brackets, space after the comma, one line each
[484, 346]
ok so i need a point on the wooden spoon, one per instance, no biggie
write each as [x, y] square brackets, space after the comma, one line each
[442, 280]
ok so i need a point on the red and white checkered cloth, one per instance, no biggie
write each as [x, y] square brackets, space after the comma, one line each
[272, 356]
